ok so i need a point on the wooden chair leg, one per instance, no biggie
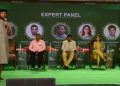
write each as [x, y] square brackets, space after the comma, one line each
[61, 63]
[91, 60]
[15, 61]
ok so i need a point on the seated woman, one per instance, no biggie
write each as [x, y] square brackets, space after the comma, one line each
[98, 50]
[12, 52]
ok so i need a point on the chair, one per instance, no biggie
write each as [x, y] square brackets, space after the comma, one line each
[110, 56]
[80, 60]
[12, 52]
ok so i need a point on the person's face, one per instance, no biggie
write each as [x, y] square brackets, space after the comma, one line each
[34, 30]
[112, 31]
[61, 30]
[69, 39]
[37, 37]
[3, 15]
[98, 38]
[86, 30]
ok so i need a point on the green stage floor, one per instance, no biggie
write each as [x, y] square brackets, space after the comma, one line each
[71, 76]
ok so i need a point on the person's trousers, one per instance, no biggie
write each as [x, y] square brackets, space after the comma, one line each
[68, 57]
[39, 59]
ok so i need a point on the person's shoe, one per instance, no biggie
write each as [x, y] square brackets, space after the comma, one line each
[43, 67]
[90, 66]
[65, 67]
[32, 68]
[97, 67]
[39, 67]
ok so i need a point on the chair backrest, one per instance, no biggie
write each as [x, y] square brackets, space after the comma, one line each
[91, 45]
[12, 47]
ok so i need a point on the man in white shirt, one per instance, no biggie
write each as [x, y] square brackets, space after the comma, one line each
[68, 48]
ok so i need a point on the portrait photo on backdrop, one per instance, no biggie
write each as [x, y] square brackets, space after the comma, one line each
[86, 31]
[60, 31]
[12, 30]
[32, 29]
[111, 31]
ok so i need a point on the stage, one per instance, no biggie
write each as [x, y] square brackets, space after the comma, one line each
[71, 77]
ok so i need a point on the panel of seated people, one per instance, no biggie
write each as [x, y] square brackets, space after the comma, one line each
[53, 58]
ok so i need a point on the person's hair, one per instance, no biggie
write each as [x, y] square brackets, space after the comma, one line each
[69, 35]
[2, 10]
[89, 33]
[59, 26]
[34, 26]
[38, 34]
[111, 26]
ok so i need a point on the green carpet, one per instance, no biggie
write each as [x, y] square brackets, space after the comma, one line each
[71, 76]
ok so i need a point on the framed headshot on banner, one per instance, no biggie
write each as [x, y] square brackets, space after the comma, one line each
[11, 30]
[111, 31]
[86, 31]
[60, 31]
[32, 29]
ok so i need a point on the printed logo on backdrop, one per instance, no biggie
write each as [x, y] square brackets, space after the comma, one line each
[86, 31]
[12, 30]
[32, 29]
[60, 31]
[111, 31]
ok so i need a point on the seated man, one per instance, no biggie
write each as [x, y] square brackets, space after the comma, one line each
[68, 48]
[37, 47]
[12, 51]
